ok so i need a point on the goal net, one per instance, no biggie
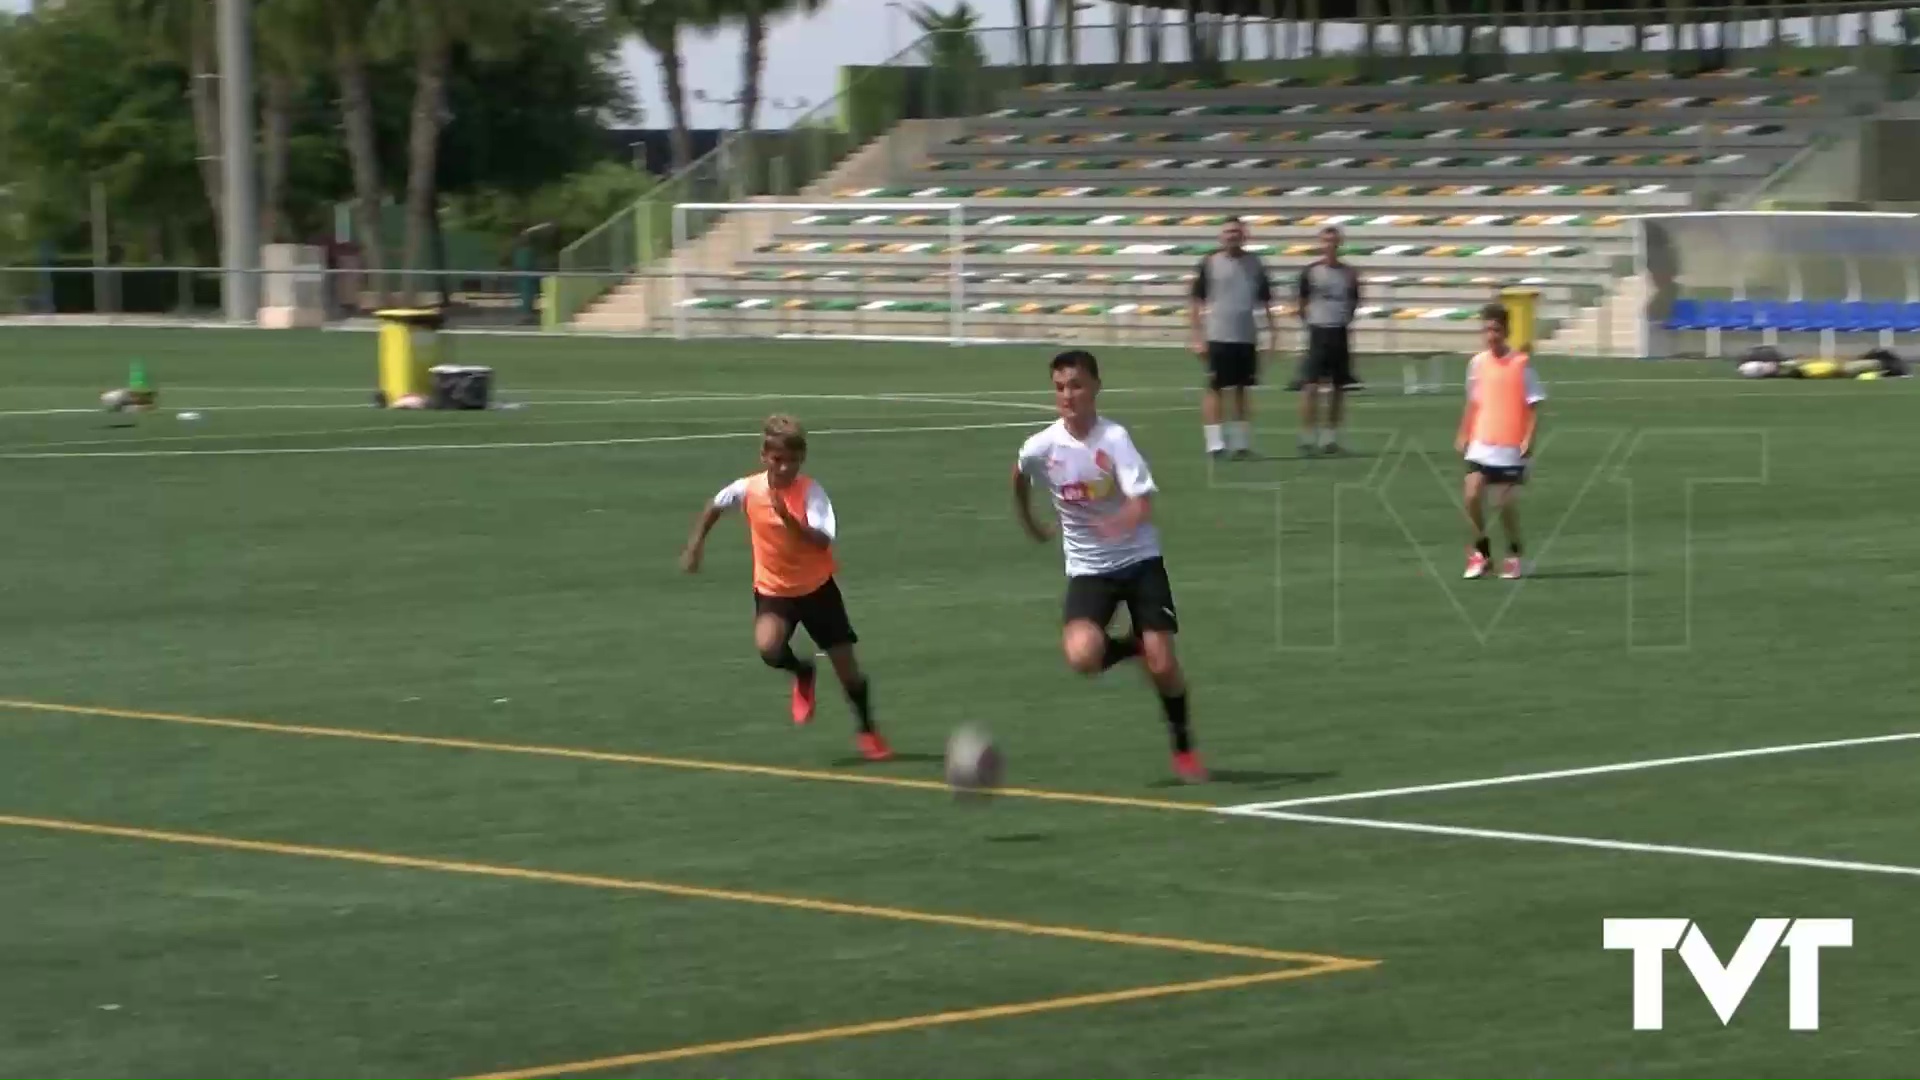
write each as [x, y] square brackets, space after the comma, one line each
[851, 268]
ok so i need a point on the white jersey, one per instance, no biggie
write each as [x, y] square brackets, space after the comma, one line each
[1090, 480]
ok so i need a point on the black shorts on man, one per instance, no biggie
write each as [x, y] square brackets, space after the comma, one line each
[1141, 586]
[1232, 364]
[822, 613]
[1328, 359]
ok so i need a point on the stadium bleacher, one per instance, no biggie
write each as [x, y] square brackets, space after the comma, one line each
[1089, 202]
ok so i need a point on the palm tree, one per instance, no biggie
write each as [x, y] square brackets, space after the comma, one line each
[753, 16]
[434, 28]
[1023, 14]
[658, 24]
[953, 55]
[348, 37]
[183, 29]
[284, 33]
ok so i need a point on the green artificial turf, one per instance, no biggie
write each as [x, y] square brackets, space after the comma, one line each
[1721, 564]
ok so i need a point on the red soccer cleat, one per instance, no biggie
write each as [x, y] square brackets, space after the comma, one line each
[873, 747]
[1186, 765]
[803, 698]
[1476, 566]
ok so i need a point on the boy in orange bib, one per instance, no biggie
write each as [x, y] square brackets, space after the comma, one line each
[791, 527]
[1497, 431]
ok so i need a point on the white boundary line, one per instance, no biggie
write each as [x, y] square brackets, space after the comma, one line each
[1564, 774]
[1590, 842]
[274, 451]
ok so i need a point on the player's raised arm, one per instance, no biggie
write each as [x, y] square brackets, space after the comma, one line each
[728, 498]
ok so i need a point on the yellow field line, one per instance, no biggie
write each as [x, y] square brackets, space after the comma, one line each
[912, 1023]
[487, 746]
[665, 888]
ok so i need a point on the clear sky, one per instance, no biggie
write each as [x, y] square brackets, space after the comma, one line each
[804, 55]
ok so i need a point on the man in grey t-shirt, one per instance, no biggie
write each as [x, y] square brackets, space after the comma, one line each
[1329, 299]
[1229, 286]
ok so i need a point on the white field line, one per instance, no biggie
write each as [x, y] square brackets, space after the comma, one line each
[1591, 770]
[274, 451]
[982, 399]
[1590, 842]
[596, 402]
[198, 438]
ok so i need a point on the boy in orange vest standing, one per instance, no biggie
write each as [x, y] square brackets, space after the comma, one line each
[791, 527]
[1497, 431]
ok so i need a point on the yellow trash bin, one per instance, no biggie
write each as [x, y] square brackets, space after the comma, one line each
[409, 346]
[1520, 304]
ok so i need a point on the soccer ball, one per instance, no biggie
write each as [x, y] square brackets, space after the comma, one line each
[973, 762]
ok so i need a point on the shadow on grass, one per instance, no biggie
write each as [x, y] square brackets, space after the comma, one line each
[1257, 778]
[897, 759]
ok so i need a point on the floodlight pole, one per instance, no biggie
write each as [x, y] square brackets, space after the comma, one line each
[240, 254]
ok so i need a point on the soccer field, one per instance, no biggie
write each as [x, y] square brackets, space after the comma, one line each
[345, 742]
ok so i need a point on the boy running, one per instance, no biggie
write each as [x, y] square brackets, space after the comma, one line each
[1497, 431]
[1103, 494]
[791, 527]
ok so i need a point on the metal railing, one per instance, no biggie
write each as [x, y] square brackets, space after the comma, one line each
[476, 298]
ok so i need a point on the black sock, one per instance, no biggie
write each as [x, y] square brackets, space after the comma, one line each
[1513, 548]
[862, 707]
[1120, 650]
[1175, 706]
[787, 660]
[1484, 547]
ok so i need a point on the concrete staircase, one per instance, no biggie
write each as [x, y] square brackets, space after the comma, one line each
[645, 301]
[1609, 328]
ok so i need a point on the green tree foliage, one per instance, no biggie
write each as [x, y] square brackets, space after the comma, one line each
[104, 90]
[953, 54]
[89, 100]
[562, 211]
[752, 16]
[659, 24]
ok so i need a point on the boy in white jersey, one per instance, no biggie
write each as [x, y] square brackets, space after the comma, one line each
[1103, 494]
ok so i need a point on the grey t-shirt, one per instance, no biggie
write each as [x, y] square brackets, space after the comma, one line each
[1232, 288]
[1329, 294]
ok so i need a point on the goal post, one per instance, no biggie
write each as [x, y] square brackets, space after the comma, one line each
[686, 260]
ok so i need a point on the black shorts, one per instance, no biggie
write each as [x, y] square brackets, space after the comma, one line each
[823, 612]
[1232, 363]
[1328, 358]
[1142, 586]
[1499, 474]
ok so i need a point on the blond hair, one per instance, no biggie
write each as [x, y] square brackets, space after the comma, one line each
[785, 433]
